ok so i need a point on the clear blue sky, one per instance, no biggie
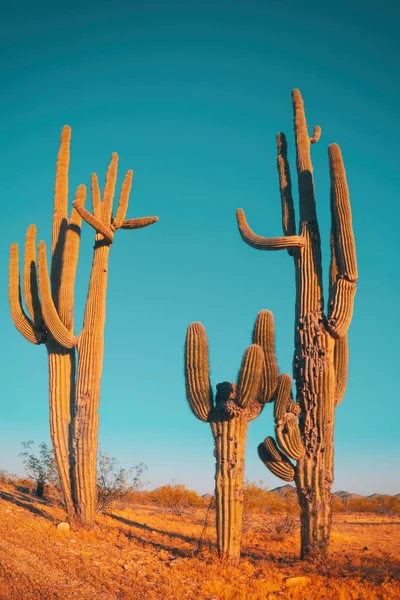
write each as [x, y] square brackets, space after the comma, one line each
[191, 95]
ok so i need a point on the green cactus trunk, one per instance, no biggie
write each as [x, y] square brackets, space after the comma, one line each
[230, 442]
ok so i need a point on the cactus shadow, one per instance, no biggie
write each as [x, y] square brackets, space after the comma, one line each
[146, 527]
[22, 501]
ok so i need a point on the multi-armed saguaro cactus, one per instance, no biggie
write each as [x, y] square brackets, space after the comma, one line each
[235, 405]
[74, 393]
[320, 358]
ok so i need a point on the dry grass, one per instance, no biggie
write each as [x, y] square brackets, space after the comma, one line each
[144, 553]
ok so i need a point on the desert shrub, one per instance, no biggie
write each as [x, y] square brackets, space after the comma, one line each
[269, 513]
[40, 467]
[7, 477]
[379, 504]
[116, 485]
[175, 499]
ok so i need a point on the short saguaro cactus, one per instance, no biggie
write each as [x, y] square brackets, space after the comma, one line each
[229, 413]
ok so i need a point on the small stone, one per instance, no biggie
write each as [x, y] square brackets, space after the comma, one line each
[126, 567]
[63, 526]
[292, 581]
[72, 541]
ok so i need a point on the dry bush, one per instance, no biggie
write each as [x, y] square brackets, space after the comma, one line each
[380, 504]
[40, 467]
[268, 513]
[116, 486]
[175, 499]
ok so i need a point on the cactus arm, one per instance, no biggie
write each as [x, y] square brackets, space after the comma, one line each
[316, 135]
[283, 396]
[138, 223]
[60, 213]
[287, 433]
[53, 322]
[90, 219]
[21, 321]
[343, 255]
[341, 349]
[96, 202]
[341, 217]
[263, 243]
[96, 196]
[250, 376]
[123, 201]
[340, 310]
[341, 361]
[303, 159]
[109, 188]
[275, 460]
[285, 188]
[31, 293]
[264, 336]
[198, 388]
[70, 262]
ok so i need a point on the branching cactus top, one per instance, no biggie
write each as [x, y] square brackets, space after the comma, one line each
[320, 358]
[49, 319]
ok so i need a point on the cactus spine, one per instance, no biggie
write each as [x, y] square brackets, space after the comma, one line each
[320, 357]
[75, 362]
[235, 405]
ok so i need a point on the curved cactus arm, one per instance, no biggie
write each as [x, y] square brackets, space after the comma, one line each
[345, 249]
[197, 372]
[340, 307]
[316, 135]
[250, 376]
[263, 243]
[53, 322]
[285, 188]
[21, 321]
[264, 336]
[288, 436]
[123, 201]
[90, 219]
[283, 396]
[31, 293]
[341, 362]
[138, 223]
[343, 254]
[275, 460]
[109, 189]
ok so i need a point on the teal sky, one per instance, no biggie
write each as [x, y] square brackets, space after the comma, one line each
[191, 95]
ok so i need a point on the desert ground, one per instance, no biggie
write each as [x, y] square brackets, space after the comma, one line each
[142, 551]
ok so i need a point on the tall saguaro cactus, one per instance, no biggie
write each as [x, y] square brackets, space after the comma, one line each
[75, 361]
[320, 357]
[234, 406]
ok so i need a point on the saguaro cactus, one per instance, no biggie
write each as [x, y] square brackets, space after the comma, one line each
[234, 406]
[74, 393]
[320, 357]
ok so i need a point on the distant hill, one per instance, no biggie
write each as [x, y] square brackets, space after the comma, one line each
[284, 490]
[343, 494]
